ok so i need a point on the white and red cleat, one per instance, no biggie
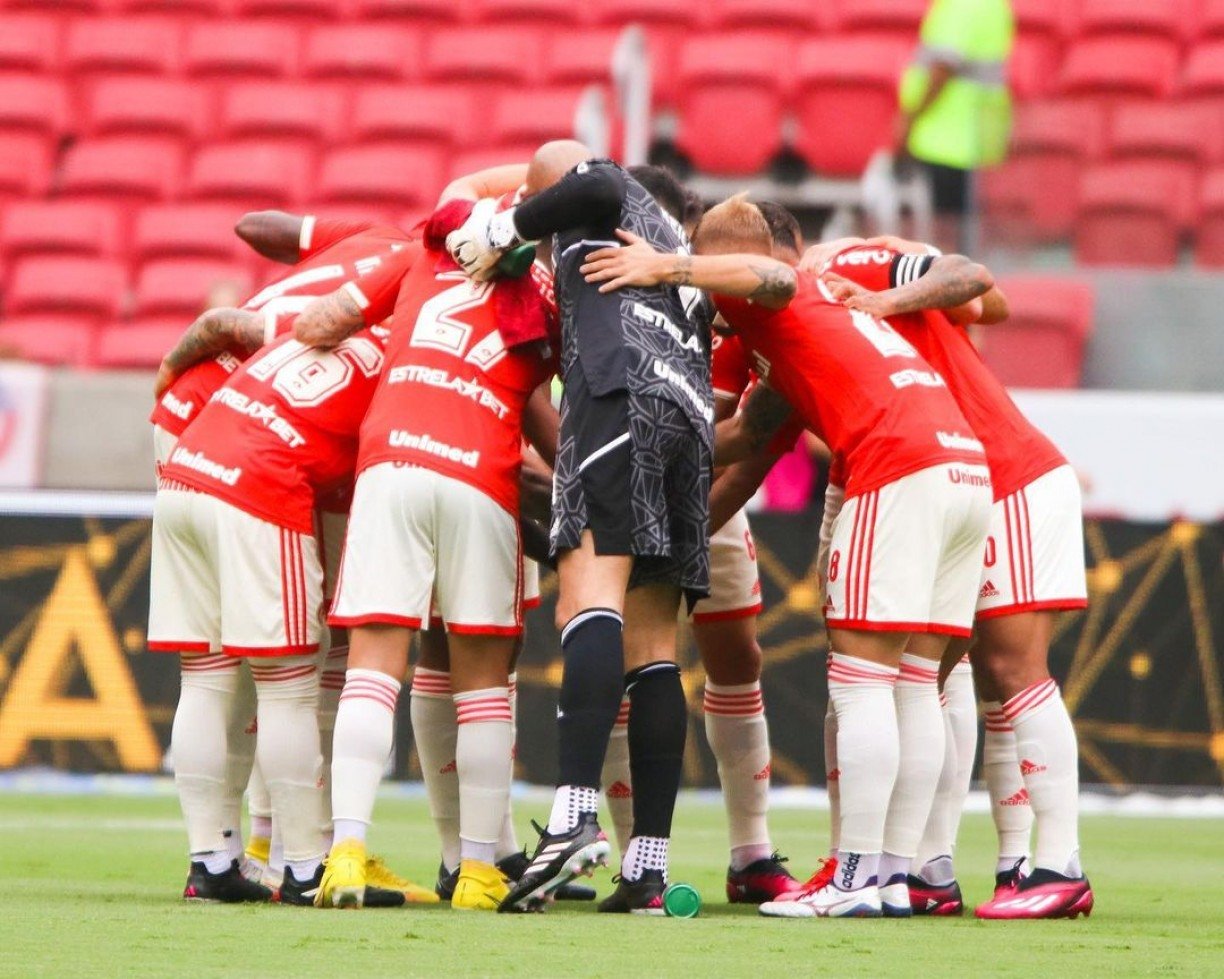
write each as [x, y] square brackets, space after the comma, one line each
[819, 898]
[1043, 894]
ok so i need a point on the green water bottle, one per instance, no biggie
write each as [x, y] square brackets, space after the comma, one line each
[516, 263]
[681, 901]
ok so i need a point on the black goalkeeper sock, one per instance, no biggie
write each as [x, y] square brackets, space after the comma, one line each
[658, 723]
[592, 685]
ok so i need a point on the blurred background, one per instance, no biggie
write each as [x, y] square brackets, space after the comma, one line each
[1075, 146]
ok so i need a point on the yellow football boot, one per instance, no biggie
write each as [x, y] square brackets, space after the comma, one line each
[378, 874]
[481, 887]
[255, 859]
[344, 876]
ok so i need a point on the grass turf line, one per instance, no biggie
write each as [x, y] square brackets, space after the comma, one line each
[89, 886]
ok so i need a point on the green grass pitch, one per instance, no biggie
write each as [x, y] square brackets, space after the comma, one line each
[89, 886]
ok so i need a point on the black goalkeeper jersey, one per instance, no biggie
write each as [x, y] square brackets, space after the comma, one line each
[648, 341]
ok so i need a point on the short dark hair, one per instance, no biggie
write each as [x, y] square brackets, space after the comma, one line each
[664, 187]
[694, 208]
[783, 226]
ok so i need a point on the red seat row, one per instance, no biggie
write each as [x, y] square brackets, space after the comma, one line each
[1042, 343]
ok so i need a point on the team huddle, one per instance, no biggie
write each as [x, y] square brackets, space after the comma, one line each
[369, 448]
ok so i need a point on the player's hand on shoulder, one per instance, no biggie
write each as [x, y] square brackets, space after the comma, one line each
[854, 296]
[635, 263]
[470, 244]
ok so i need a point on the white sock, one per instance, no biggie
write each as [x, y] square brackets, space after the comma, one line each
[331, 683]
[239, 759]
[739, 738]
[261, 827]
[198, 745]
[616, 780]
[435, 731]
[483, 750]
[920, 728]
[961, 708]
[570, 802]
[1009, 799]
[832, 776]
[934, 855]
[289, 753]
[302, 870]
[1049, 765]
[868, 754]
[259, 803]
[365, 730]
[507, 842]
[215, 862]
[645, 853]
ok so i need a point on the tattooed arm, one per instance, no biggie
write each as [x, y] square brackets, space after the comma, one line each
[329, 319]
[763, 415]
[951, 280]
[214, 331]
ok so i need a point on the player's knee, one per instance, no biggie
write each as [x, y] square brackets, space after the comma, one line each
[294, 680]
[736, 665]
[1010, 666]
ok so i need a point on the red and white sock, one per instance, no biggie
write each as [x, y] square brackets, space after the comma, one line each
[198, 745]
[920, 729]
[365, 731]
[290, 757]
[617, 782]
[483, 757]
[507, 842]
[832, 776]
[868, 754]
[1009, 799]
[739, 738]
[1049, 765]
[435, 731]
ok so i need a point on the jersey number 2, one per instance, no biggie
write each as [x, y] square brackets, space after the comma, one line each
[438, 327]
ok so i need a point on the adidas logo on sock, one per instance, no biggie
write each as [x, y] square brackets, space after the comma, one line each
[619, 790]
[1030, 767]
[988, 590]
[1021, 798]
[763, 774]
[449, 767]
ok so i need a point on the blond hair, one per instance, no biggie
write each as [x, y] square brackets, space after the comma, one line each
[735, 225]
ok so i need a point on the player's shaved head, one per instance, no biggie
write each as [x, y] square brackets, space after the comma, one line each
[552, 161]
[735, 225]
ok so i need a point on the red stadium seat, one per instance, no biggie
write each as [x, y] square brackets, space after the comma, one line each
[66, 227]
[180, 8]
[1054, 140]
[491, 54]
[1010, 200]
[1170, 18]
[847, 79]
[1042, 344]
[198, 230]
[799, 15]
[1211, 19]
[383, 177]
[1209, 239]
[246, 49]
[414, 10]
[149, 106]
[1120, 66]
[1132, 214]
[62, 6]
[66, 284]
[141, 343]
[181, 286]
[122, 45]
[895, 18]
[1203, 76]
[32, 103]
[63, 338]
[125, 168]
[29, 42]
[280, 111]
[313, 10]
[444, 114]
[1190, 133]
[362, 52]
[577, 57]
[731, 77]
[25, 166]
[532, 116]
[1033, 64]
[550, 12]
[249, 175]
[1047, 19]
[651, 13]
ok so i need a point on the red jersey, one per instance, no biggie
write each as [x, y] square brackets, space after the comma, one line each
[729, 369]
[281, 433]
[857, 384]
[329, 254]
[1016, 451]
[452, 396]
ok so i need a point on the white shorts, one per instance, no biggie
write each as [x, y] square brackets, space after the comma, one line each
[1035, 551]
[735, 583]
[417, 539]
[225, 581]
[907, 556]
[163, 444]
[531, 584]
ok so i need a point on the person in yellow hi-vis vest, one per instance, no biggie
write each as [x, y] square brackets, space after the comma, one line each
[955, 106]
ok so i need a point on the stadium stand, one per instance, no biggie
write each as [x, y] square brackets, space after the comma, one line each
[1042, 344]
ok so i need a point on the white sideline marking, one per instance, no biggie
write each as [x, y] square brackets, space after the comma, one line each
[75, 503]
